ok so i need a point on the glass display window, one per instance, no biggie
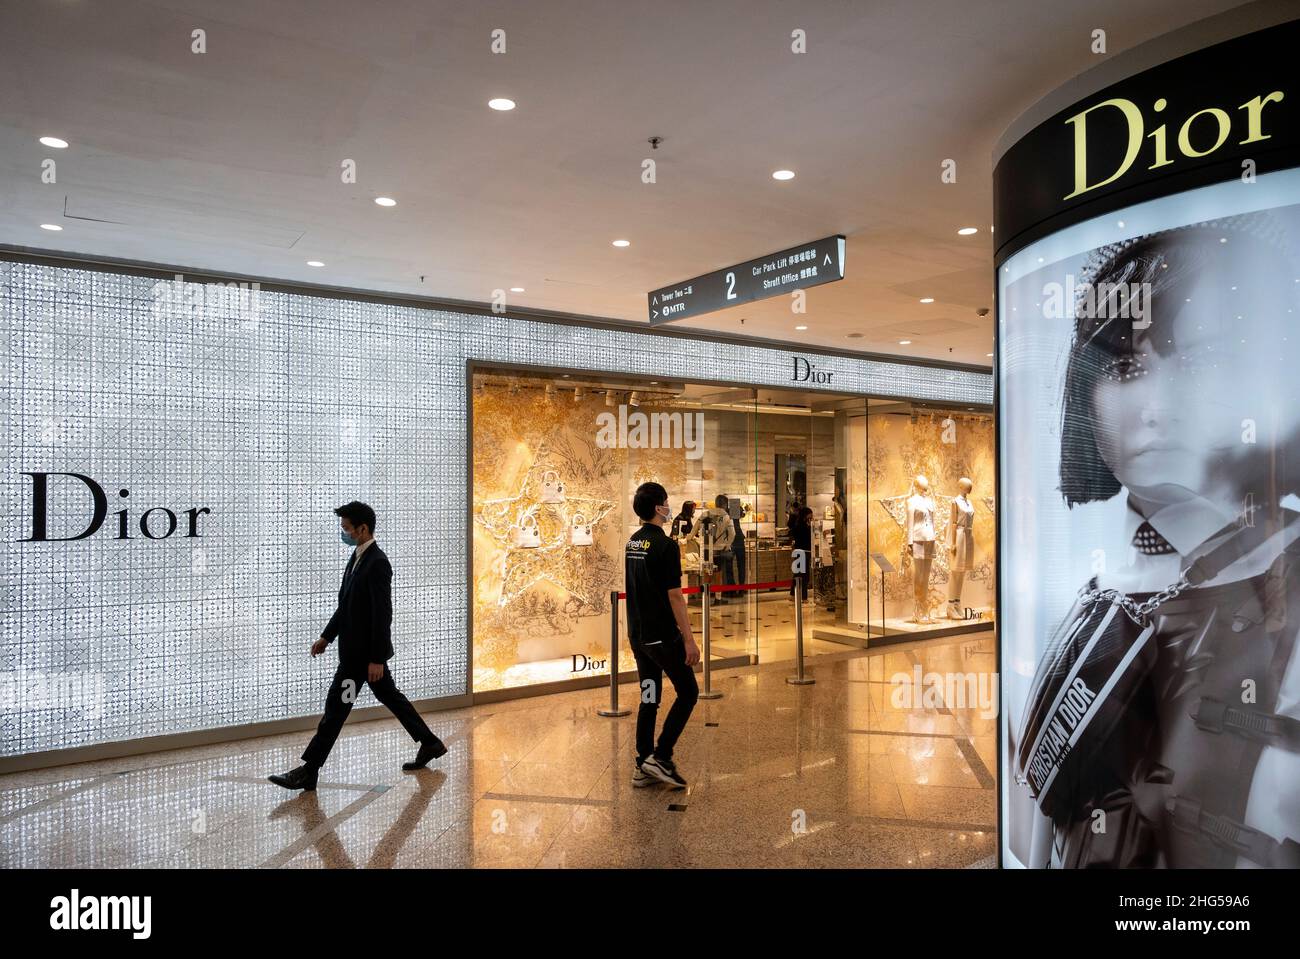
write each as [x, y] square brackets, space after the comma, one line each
[763, 485]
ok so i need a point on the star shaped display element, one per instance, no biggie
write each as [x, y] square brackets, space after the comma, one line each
[556, 560]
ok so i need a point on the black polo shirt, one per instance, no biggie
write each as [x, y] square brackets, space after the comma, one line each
[652, 566]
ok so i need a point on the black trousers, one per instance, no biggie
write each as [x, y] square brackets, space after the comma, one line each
[725, 560]
[338, 706]
[652, 662]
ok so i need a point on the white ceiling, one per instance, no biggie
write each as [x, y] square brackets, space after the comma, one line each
[229, 160]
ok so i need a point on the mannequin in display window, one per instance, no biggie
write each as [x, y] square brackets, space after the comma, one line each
[961, 544]
[920, 540]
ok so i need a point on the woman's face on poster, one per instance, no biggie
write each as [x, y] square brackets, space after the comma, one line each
[1195, 401]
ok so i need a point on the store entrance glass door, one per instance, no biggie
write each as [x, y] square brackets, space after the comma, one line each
[805, 480]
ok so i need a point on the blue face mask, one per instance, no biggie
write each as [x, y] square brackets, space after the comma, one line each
[347, 540]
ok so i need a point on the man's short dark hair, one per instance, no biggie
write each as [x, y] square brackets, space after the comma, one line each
[648, 496]
[357, 514]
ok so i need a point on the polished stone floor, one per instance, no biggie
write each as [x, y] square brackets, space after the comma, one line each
[837, 774]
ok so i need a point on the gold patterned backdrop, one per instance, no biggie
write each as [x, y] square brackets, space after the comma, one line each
[536, 607]
[943, 447]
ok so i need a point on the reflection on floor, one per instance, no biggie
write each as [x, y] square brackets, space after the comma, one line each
[836, 774]
[763, 625]
[899, 624]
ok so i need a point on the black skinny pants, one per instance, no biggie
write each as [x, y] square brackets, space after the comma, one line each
[652, 662]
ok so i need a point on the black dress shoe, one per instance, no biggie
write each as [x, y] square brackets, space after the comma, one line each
[304, 777]
[431, 749]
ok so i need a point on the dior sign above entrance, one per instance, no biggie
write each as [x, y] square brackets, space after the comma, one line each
[805, 371]
[157, 522]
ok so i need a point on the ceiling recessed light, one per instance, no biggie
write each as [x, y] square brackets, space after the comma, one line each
[516, 289]
[501, 103]
[385, 201]
[783, 175]
[55, 142]
[904, 342]
[315, 263]
[622, 242]
[53, 227]
[801, 327]
[988, 354]
[927, 299]
[967, 230]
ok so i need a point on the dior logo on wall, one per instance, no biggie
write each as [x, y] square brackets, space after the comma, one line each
[806, 372]
[651, 431]
[157, 522]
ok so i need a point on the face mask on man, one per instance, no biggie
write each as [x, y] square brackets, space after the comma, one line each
[347, 540]
[667, 513]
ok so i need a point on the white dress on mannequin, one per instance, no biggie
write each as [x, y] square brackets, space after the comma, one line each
[961, 534]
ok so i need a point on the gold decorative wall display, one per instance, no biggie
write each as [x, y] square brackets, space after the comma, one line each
[556, 559]
[539, 611]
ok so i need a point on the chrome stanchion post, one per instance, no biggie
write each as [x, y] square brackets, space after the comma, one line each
[613, 709]
[708, 692]
[799, 679]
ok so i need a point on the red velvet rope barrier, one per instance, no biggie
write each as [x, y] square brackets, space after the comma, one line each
[691, 590]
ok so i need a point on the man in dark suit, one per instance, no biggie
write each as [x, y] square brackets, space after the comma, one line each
[362, 623]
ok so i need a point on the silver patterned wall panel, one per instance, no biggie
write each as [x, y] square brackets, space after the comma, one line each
[265, 409]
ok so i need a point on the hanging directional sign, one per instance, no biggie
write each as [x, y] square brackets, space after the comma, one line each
[797, 268]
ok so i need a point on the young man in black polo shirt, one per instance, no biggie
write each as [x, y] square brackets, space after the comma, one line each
[659, 632]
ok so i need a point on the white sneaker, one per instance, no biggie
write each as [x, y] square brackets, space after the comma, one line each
[664, 770]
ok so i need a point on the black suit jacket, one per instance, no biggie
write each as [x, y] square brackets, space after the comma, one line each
[363, 621]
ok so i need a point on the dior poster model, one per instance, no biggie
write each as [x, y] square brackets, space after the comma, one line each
[1149, 365]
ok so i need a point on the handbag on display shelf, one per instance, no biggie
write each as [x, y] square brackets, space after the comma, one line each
[580, 531]
[527, 533]
[552, 487]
